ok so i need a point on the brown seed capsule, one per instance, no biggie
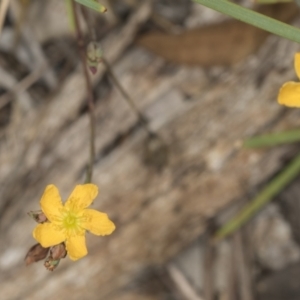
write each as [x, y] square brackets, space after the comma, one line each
[38, 216]
[58, 251]
[36, 253]
[50, 264]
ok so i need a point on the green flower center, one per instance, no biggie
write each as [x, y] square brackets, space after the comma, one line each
[71, 223]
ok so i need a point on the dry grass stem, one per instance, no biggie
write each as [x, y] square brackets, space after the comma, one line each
[3, 10]
[183, 285]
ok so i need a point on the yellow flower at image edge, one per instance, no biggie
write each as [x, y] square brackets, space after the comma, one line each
[68, 223]
[289, 94]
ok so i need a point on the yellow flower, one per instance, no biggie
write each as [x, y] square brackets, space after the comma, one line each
[68, 223]
[289, 93]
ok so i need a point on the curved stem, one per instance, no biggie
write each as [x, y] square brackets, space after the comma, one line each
[90, 96]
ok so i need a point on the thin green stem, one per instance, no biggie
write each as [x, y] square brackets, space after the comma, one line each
[90, 98]
[70, 14]
[271, 1]
[253, 18]
[267, 194]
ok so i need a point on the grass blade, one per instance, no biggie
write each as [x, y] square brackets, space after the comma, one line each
[274, 139]
[276, 185]
[93, 5]
[253, 18]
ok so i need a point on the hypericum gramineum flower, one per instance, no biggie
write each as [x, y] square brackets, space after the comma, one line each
[289, 94]
[68, 223]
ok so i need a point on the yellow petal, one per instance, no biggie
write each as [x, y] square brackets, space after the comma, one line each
[51, 202]
[297, 64]
[82, 196]
[76, 247]
[289, 94]
[97, 222]
[48, 235]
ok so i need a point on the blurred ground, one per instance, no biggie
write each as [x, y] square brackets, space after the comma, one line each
[204, 83]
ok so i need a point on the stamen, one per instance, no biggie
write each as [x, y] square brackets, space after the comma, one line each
[70, 223]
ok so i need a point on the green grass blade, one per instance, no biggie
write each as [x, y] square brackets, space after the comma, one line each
[93, 5]
[267, 194]
[253, 18]
[270, 140]
[271, 1]
[70, 14]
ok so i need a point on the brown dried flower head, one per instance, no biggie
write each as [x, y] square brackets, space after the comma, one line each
[36, 253]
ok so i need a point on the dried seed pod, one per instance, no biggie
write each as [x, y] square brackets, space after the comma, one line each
[51, 264]
[38, 216]
[36, 253]
[58, 251]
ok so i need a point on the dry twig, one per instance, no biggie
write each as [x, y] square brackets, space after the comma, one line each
[3, 10]
[183, 285]
[243, 273]
[21, 87]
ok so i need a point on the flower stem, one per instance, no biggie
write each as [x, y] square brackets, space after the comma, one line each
[143, 121]
[126, 96]
[90, 96]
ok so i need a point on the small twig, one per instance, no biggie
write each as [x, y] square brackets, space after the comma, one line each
[90, 96]
[244, 277]
[156, 151]
[163, 275]
[88, 18]
[181, 282]
[127, 97]
[22, 85]
[38, 57]
[209, 260]
[3, 10]
[208, 273]
[35, 55]
[20, 21]
[231, 283]
[165, 24]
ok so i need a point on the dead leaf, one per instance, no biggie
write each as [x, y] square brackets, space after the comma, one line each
[220, 44]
